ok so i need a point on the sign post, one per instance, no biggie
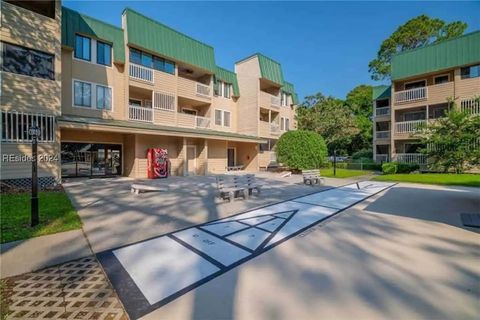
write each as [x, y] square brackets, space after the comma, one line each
[34, 132]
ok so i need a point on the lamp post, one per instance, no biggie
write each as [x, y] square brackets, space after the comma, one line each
[34, 132]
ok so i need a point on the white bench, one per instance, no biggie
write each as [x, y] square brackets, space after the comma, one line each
[137, 188]
[312, 177]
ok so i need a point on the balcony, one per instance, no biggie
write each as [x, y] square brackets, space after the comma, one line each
[382, 134]
[382, 158]
[192, 121]
[195, 90]
[274, 129]
[408, 126]
[383, 111]
[141, 73]
[411, 95]
[470, 106]
[414, 158]
[142, 114]
[269, 100]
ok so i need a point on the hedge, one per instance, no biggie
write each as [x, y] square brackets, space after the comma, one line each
[301, 150]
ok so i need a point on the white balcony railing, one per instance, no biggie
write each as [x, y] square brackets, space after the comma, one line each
[383, 111]
[408, 126]
[275, 101]
[203, 89]
[415, 158]
[383, 134]
[274, 128]
[382, 158]
[140, 114]
[141, 73]
[202, 122]
[470, 105]
[411, 95]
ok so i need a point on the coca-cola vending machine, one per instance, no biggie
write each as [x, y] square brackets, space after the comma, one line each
[157, 161]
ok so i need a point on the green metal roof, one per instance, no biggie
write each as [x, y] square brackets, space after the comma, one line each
[270, 69]
[447, 54]
[154, 36]
[381, 92]
[74, 22]
[229, 77]
[155, 128]
[290, 89]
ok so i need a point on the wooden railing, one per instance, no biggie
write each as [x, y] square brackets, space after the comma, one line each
[408, 126]
[383, 134]
[416, 158]
[411, 95]
[140, 72]
[140, 114]
[383, 111]
[470, 105]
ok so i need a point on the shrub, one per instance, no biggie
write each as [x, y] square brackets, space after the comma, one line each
[364, 153]
[301, 150]
[389, 168]
[407, 167]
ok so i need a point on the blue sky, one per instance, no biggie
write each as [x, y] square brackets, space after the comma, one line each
[322, 46]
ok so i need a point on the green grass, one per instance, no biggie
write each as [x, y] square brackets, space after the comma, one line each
[466, 179]
[56, 215]
[343, 173]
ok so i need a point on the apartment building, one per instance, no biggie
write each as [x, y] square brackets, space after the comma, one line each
[122, 90]
[426, 82]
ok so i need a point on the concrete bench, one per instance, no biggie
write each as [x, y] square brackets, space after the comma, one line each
[312, 177]
[137, 188]
[228, 188]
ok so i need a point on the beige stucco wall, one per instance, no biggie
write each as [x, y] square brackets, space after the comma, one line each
[248, 74]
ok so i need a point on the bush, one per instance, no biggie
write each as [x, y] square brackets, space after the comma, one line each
[389, 168]
[395, 167]
[407, 167]
[364, 153]
[301, 150]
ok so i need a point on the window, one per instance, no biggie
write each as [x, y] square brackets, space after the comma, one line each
[104, 98]
[149, 61]
[216, 86]
[226, 90]
[287, 124]
[283, 99]
[222, 118]
[438, 111]
[104, 53]
[412, 116]
[135, 102]
[82, 94]
[29, 62]
[441, 79]
[218, 117]
[189, 111]
[82, 47]
[15, 126]
[226, 119]
[470, 72]
[414, 85]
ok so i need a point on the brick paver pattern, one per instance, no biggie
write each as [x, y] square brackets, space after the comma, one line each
[74, 290]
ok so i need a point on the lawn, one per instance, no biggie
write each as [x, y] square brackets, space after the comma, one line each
[472, 180]
[56, 215]
[343, 173]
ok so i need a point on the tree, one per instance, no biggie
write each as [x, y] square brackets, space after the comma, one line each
[452, 142]
[415, 33]
[301, 150]
[360, 102]
[329, 117]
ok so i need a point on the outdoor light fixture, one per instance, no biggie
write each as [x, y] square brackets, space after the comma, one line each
[34, 132]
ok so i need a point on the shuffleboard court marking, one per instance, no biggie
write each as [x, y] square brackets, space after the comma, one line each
[145, 280]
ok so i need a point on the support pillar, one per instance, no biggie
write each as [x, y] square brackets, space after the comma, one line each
[185, 164]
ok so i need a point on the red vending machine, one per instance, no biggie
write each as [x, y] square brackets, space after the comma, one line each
[157, 161]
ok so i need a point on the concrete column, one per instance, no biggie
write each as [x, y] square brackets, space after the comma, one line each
[426, 113]
[184, 149]
[206, 156]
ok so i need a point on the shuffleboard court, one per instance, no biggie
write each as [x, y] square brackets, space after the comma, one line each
[153, 272]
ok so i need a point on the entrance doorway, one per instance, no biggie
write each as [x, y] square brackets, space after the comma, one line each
[231, 157]
[91, 159]
[191, 160]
